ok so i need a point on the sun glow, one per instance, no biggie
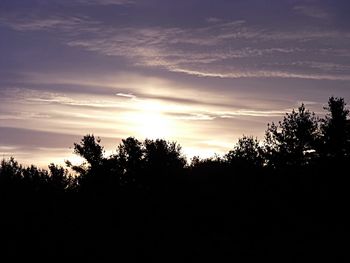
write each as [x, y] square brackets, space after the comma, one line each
[150, 121]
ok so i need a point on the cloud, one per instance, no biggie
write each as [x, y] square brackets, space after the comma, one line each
[126, 95]
[312, 11]
[251, 113]
[213, 20]
[217, 51]
[62, 111]
[34, 138]
[134, 86]
[192, 115]
[62, 23]
[104, 2]
[27, 145]
[320, 66]
[222, 49]
[260, 74]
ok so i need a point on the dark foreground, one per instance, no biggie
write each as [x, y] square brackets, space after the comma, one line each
[289, 218]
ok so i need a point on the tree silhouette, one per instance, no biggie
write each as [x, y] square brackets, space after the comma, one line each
[247, 152]
[59, 179]
[290, 141]
[34, 178]
[335, 129]
[129, 159]
[95, 175]
[10, 174]
[162, 160]
[162, 155]
[90, 149]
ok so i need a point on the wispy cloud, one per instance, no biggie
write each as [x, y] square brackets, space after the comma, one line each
[226, 50]
[213, 20]
[103, 2]
[312, 11]
[49, 110]
[68, 24]
[126, 95]
[261, 74]
[222, 49]
[191, 117]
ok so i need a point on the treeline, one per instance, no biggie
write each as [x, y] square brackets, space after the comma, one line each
[300, 141]
[282, 198]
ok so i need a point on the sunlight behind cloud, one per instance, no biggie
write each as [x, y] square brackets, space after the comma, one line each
[150, 121]
[115, 106]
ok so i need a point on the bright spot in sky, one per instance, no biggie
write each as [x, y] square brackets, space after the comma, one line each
[150, 121]
[75, 159]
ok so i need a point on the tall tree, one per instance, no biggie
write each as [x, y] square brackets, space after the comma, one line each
[94, 173]
[291, 141]
[90, 149]
[129, 159]
[335, 129]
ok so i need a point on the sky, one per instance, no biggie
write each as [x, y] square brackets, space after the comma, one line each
[199, 72]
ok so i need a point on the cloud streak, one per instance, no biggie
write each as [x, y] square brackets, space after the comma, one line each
[312, 11]
[104, 2]
[128, 112]
[202, 52]
[62, 23]
[221, 49]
